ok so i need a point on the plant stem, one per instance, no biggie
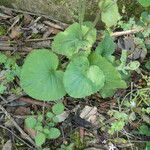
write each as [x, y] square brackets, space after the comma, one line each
[83, 11]
[81, 14]
[94, 23]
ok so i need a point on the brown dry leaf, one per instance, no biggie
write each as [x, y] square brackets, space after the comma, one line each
[15, 32]
[27, 19]
[55, 31]
[22, 111]
[7, 145]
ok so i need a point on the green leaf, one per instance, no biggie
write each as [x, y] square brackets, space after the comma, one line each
[56, 119]
[120, 115]
[109, 12]
[82, 79]
[2, 88]
[39, 77]
[144, 3]
[116, 126]
[147, 146]
[3, 58]
[49, 115]
[58, 108]
[145, 16]
[70, 41]
[147, 65]
[51, 124]
[30, 122]
[40, 139]
[113, 79]
[46, 131]
[40, 118]
[144, 130]
[106, 47]
[133, 65]
[39, 128]
[147, 110]
[54, 133]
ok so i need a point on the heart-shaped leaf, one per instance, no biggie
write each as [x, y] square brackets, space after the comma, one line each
[71, 40]
[30, 122]
[39, 77]
[81, 79]
[113, 79]
[58, 108]
[109, 12]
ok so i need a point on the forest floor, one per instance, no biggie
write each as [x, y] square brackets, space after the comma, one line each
[85, 122]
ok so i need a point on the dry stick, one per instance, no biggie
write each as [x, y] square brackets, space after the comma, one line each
[53, 25]
[133, 31]
[1, 97]
[35, 102]
[38, 40]
[26, 136]
[1, 126]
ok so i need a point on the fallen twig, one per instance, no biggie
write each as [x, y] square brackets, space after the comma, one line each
[37, 40]
[22, 49]
[2, 98]
[1, 126]
[56, 26]
[127, 32]
[34, 102]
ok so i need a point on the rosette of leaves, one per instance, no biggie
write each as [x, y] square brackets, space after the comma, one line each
[109, 12]
[46, 130]
[40, 78]
[73, 39]
[9, 71]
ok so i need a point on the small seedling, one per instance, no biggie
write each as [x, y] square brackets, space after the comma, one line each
[10, 70]
[44, 125]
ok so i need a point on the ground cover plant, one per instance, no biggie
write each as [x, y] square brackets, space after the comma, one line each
[88, 89]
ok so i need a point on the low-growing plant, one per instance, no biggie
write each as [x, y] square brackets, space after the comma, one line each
[121, 119]
[9, 71]
[86, 71]
[68, 147]
[145, 130]
[45, 125]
